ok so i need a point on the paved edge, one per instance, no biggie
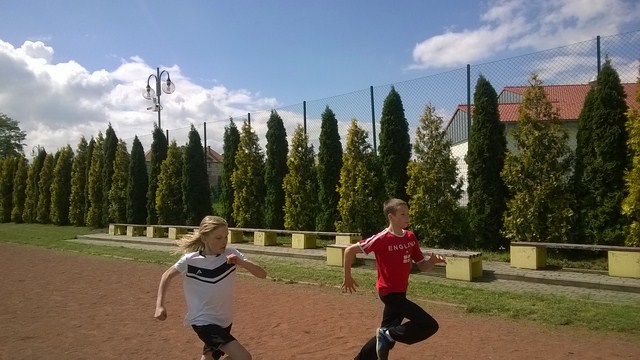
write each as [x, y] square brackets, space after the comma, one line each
[492, 270]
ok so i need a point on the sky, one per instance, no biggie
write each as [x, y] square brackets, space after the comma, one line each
[72, 67]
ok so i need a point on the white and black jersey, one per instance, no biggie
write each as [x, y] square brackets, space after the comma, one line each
[208, 287]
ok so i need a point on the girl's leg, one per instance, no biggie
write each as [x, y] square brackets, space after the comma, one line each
[235, 351]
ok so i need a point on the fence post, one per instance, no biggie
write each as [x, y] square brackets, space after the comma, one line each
[304, 115]
[468, 104]
[373, 120]
[598, 52]
[205, 143]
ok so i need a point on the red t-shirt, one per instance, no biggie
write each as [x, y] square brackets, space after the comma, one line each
[393, 258]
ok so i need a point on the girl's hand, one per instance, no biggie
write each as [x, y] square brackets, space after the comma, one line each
[233, 259]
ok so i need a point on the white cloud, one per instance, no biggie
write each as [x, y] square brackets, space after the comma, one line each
[57, 103]
[521, 24]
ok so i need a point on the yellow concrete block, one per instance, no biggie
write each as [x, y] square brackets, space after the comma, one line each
[155, 231]
[235, 236]
[459, 268]
[335, 255]
[135, 230]
[262, 238]
[624, 264]
[476, 267]
[347, 239]
[176, 233]
[117, 229]
[528, 257]
[303, 241]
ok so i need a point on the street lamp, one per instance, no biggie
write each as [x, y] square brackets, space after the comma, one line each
[168, 87]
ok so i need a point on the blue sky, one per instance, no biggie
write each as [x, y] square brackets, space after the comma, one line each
[70, 67]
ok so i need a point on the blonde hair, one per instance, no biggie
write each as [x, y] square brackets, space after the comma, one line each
[194, 241]
[392, 205]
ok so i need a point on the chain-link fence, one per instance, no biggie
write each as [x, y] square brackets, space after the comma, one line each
[447, 92]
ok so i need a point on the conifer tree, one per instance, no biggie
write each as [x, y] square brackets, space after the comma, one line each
[300, 184]
[395, 147]
[9, 166]
[119, 184]
[361, 188]
[31, 195]
[19, 190]
[329, 165]
[275, 170]
[631, 203]
[87, 202]
[94, 217]
[248, 181]
[158, 154]
[434, 187]
[78, 200]
[109, 152]
[196, 190]
[230, 147]
[43, 210]
[169, 200]
[601, 160]
[61, 187]
[537, 173]
[138, 185]
[485, 160]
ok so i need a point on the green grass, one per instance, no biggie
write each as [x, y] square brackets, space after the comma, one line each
[546, 309]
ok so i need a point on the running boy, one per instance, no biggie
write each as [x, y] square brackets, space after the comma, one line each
[394, 248]
[209, 269]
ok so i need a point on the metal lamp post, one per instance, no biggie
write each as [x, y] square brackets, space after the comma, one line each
[168, 87]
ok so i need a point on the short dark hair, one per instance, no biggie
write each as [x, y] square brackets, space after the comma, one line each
[391, 206]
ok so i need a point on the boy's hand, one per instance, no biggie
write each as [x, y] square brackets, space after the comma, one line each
[161, 313]
[436, 258]
[348, 284]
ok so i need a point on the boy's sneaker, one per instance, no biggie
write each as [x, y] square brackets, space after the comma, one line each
[382, 344]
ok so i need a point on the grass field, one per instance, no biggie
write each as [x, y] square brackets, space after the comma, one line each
[551, 310]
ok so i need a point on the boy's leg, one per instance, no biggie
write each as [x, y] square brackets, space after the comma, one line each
[420, 326]
[390, 318]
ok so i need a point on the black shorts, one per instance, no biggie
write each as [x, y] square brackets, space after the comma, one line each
[213, 336]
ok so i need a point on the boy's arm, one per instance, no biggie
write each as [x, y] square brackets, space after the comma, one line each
[429, 264]
[161, 312]
[348, 284]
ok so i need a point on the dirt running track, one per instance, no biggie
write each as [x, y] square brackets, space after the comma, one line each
[57, 305]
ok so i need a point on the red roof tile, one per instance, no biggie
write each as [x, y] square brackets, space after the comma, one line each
[566, 99]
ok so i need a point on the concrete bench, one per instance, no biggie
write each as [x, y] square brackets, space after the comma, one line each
[118, 229]
[157, 231]
[176, 231]
[127, 229]
[623, 261]
[299, 239]
[335, 254]
[307, 239]
[461, 265]
[136, 230]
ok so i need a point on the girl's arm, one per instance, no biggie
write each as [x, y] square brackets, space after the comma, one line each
[161, 312]
[255, 269]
